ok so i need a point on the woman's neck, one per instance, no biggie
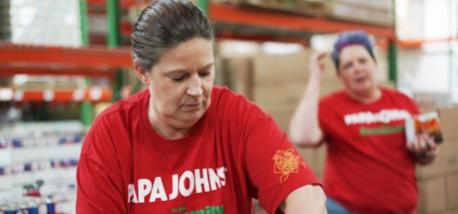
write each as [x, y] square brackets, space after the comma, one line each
[165, 129]
[368, 96]
[169, 132]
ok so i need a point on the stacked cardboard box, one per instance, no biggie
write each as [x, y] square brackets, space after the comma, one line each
[42, 83]
[371, 12]
[303, 7]
[279, 83]
[379, 12]
[438, 182]
[237, 74]
[275, 82]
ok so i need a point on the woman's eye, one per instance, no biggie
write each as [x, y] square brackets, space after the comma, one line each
[347, 66]
[178, 78]
[363, 61]
[204, 74]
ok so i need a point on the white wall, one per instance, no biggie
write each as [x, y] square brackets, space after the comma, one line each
[433, 68]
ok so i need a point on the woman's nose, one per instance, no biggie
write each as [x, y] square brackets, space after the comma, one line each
[195, 88]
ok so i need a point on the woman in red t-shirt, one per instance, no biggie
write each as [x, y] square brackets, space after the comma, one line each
[369, 166]
[183, 145]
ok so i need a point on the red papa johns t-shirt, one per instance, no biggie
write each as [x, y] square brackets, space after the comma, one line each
[368, 167]
[235, 152]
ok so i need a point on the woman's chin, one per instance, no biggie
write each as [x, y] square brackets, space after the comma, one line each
[364, 87]
[190, 118]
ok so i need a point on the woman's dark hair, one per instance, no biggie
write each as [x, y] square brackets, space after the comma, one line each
[351, 38]
[164, 24]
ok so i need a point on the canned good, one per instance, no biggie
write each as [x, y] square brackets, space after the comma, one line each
[53, 164]
[78, 138]
[3, 143]
[28, 167]
[73, 162]
[17, 143]
[50, 207]
[32, 210]
[9, 208]
[2, 170]
[31, 205]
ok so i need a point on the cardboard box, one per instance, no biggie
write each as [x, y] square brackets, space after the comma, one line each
[446, 162]
[310, 7]
[330, 85]
[315, 158]
[449, 123]
[439, 195]
[308, 155]
[280, 80]
[282, 118]
[238, 75]
[452, 211]
[279, 98]
[426, 106]
[282, 100]
[356, 13]
[303, 7]
[275, 82]
[273, 70]
[320, 160]
[385, 5]
[432, 196]
[452, 191]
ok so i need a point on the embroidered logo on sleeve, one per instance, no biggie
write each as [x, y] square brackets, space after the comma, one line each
[285, 163]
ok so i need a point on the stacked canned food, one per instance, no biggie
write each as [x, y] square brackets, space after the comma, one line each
[38, 166]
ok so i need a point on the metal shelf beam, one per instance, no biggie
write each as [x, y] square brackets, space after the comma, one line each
[91, 56]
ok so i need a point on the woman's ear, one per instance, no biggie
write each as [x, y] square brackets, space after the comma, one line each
[142, 74]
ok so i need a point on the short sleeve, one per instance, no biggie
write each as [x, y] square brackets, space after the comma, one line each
[274, 165]
[99, 183]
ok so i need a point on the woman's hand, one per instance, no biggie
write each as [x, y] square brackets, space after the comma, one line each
[316, 65]
[424, 148]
